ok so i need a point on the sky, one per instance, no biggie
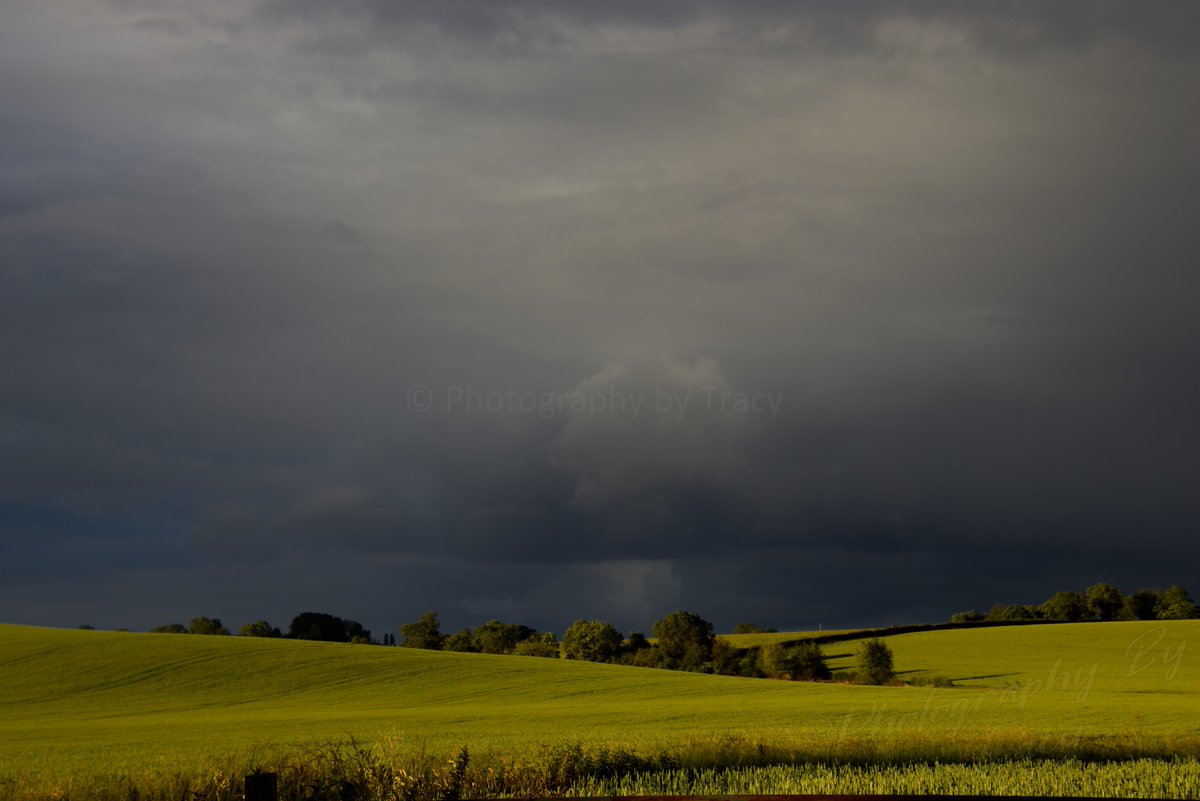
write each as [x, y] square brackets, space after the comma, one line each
[800, 314]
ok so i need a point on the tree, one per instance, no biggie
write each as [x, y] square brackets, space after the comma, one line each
[544, 645]
[424, 633]
[326, 628]
[496, 637]
[637, 642]
[970, 616]
[685, 641]
[259, 628]
[170, 628]
[808, 663]
[1069, 606]
[1141, 605]
[750, 628]
[875, 665]
[726, 658]
[591, 640]
[797, 662]
[463, 642]
[1000, 612]
[207, 625]
[1176, 604]
[1104, 601]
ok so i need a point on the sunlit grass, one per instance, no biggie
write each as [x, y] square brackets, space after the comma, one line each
[82, 704]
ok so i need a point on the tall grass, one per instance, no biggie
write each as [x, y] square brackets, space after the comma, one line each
[393, 770]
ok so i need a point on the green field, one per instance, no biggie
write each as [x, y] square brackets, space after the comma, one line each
[77, 706]
[766, 638]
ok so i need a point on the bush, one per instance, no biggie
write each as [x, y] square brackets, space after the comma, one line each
[875, 664]
[970, 616]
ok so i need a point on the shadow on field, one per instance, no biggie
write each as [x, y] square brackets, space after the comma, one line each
[989, 676]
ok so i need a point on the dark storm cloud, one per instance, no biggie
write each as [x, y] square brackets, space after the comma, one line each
[550, 310]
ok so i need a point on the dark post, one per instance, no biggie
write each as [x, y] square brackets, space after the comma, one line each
[262, 787]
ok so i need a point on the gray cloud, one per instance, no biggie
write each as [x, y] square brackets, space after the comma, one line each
[954, 244]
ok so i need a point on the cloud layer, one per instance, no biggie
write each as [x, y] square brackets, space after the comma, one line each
[799, 313]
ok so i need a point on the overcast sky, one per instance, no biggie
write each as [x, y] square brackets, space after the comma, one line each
[803, 314]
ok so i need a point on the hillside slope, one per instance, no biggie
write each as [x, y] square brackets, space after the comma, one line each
[75, 699]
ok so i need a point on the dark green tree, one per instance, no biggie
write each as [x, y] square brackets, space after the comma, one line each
[424, 633]
[1176, 604]
[970, 616]
[326, 628]
[1069, 606]
[496, 637]
[1104, 601]
[207, 625]
[591, 640]
[1141, 605]
[637, 642]
[544, 645]
[802, 662]
[726, 658]
[808, 663]
[875, 662]
[463, 642]
[170, 628]
[1013, 612]
[685, 641]
[259, 628]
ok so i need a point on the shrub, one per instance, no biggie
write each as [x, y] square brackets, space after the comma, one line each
[875, 664]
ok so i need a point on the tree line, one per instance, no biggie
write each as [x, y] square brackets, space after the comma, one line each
[305, 626]
[682, 641]
[685, 641]
[1101, 601]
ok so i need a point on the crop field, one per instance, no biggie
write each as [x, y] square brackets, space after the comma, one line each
[79, 709]
[766, 638]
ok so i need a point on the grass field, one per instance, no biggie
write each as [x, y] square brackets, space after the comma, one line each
[766, 638]
[78, 705]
